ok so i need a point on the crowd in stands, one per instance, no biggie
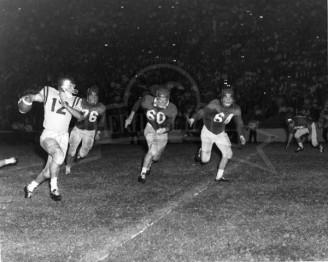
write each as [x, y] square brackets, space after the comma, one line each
[273, 52]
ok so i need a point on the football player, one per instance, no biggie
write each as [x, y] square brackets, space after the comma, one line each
[304, 126]
[59, 106]
[323, 122]
[160, 114]
[86, 130]
[9, 161]
[290, 130]
[216, 115]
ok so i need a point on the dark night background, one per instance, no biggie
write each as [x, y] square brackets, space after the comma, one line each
[273, 52]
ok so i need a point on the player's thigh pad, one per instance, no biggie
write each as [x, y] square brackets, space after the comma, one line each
[301, 132]
[74, 140]
[207, 139]
[88, 138]
[160, 142]
[314, 136]
[150, 135]
[222, 141]
[55, 144]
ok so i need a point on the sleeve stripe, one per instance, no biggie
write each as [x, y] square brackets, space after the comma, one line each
[45, 94]
[76, 101]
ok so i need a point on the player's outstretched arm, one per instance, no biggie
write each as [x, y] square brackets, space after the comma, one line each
[134, 109]
[77, 114]
[128, 121]
[34, 98]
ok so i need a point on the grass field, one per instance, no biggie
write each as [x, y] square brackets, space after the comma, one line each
[273, 209]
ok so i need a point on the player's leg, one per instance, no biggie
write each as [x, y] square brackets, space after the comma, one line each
[298, 136]
[207, 140]
[40, 178]
[58, 153]
[161, 142]
[150, 135]
[74, 141]
[157, 149]
[314, 138]
[88, 139]
[45, 173]
[223, 143]
[8, 161]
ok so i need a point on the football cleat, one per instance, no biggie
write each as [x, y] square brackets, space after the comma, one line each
[222, 179]
[54, 194]
[142, 178]
[27, 192]
[197, 157]
[299, 149]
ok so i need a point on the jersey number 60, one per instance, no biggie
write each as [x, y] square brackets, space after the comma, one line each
[159, 117]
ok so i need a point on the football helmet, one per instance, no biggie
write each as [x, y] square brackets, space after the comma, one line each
[93, 95]
[162, 98]
[227, 97]
[67, 85]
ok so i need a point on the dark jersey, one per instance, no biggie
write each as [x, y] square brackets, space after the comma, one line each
[156, 116]
[302, 122]
[216, 116]
[91, 115]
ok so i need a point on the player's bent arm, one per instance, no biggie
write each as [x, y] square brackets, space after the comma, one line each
[129, 119]
[239, 126]
[36, 98]
[76, 113]
[201, 112]
[171, 121]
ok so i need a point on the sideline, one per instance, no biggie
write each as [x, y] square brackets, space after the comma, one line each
[119, 239]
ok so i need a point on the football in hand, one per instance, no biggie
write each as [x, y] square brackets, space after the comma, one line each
[25, 104]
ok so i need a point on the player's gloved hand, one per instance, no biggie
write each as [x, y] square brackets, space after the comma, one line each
[128, 122]
[161, 131]
[287, 146]
[26, 98]
[190, 121]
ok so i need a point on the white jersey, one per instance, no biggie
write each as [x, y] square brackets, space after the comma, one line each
[56, 117]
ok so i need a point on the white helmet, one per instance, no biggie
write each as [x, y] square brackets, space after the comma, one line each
[67, 85]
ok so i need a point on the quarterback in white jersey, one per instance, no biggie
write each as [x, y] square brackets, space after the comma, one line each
[59, 106]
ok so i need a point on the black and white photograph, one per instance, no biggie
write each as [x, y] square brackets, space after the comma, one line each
[163, 130]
